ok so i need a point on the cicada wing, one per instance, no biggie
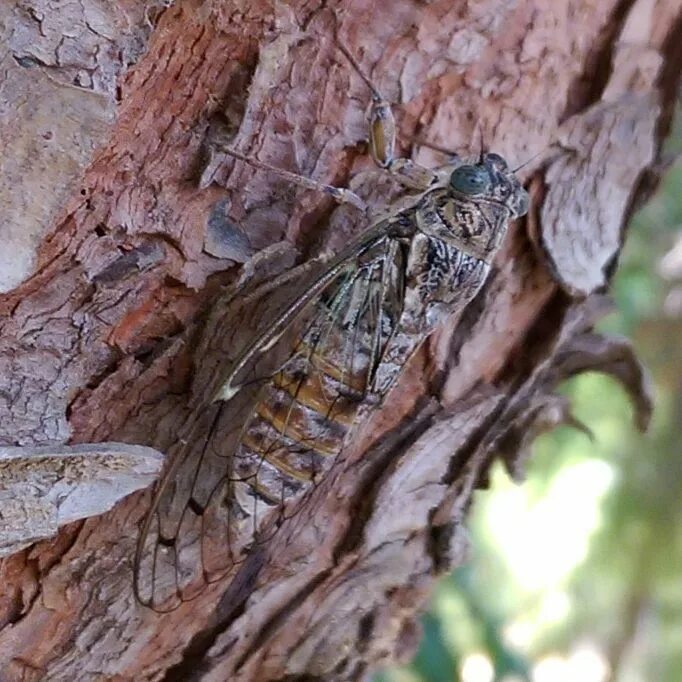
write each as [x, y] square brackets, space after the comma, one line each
[310, 401]
[188, 537]
[185, 542]
[284, 402]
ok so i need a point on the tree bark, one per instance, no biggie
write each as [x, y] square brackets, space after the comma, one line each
[121, 227]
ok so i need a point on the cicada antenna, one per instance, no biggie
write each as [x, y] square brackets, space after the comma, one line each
[544, 153]
[376, 94]
[526, 162]
[438, 148]
[532, 158]
[481, 142]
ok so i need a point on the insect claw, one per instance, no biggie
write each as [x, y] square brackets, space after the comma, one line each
[382, 129]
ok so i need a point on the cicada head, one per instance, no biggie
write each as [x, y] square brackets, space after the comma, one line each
[491, 179]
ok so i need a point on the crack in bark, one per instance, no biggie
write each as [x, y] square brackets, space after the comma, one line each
[379, 461]
[598, 66]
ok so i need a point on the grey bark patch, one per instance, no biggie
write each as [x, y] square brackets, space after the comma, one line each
[223, 238]
[590, 186]
[42, 488]
[137, 260]
[60, 72]
[47, 142]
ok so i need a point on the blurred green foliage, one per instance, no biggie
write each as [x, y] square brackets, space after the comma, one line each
[576, 575]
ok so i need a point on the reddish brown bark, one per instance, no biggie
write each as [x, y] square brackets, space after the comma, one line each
[122, 228]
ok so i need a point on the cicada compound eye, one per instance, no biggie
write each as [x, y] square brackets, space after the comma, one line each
[470, 180]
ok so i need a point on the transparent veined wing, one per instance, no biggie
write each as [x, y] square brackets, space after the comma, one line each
[281, 407]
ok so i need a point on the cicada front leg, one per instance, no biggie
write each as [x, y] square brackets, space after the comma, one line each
[382, 137]
[382, 142]
[340, 194]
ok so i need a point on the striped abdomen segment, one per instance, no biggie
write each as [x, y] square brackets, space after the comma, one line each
[304, 412]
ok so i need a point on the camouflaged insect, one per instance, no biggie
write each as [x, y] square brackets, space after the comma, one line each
[291, 393]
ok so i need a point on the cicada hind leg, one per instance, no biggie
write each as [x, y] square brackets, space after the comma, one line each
[340, 194]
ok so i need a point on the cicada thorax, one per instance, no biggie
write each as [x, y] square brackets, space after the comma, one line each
[448, 261]
[473, 228]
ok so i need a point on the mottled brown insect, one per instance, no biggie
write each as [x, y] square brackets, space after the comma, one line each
[289, 394]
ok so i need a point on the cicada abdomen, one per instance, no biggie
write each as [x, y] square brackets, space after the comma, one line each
[307, 406]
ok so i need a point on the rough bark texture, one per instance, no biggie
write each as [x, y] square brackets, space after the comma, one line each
[120, 227]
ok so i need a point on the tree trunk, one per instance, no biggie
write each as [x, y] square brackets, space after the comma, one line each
[122, 226]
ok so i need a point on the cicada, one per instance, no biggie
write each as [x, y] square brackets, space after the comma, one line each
[288, 394]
